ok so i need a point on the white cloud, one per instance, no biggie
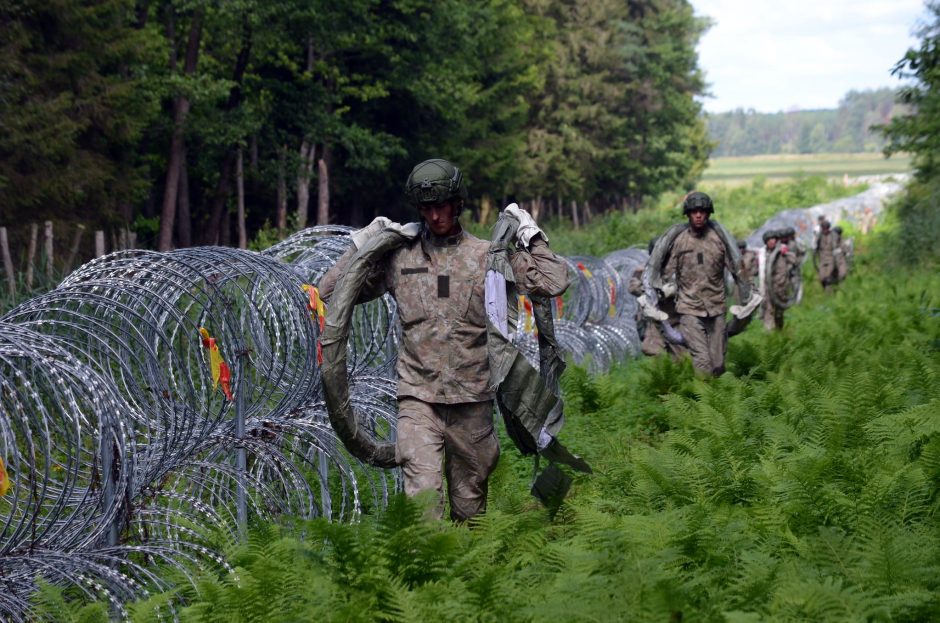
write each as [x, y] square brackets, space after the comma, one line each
[770, 55]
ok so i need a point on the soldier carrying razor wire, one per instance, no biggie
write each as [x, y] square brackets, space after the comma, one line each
[776, 280]
[445, 391]
[653, 341]
[694, 258]
[825, 256]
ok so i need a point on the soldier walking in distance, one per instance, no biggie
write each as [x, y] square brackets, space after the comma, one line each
[750, 271]
[780, 260]
[445, 398]
[653, 341]
[842, 253]
[826, 245]
[697, 259]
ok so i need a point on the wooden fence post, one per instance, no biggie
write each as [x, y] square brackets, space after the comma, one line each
[31, 254]
[47, 243]
[7, 261]
[99, 243]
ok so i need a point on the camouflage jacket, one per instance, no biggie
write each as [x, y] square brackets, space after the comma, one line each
[438, 285]
[698, 262]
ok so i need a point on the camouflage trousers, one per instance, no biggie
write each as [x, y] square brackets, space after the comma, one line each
[459, 440]
[655, 343]
[771, 315]
[828, 272]
[706, 339]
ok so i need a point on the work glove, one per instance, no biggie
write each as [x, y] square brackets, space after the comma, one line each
[651, 311]
[361, 236]
[668, 289]
[527, 228]
[743, 311]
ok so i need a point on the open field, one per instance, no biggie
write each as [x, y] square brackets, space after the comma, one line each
[741, 169]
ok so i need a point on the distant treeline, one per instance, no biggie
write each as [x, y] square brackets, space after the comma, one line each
[169, 116]
[848, 129]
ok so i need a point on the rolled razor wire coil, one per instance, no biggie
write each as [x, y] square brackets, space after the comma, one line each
[64, 447]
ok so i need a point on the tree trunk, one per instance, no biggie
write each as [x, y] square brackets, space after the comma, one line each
[323, 187]
[240, 184]
[180, 111]
[224, 187]
[574, 214]
[281, 191]
[537, 208]
[304, 172]
[184, 220]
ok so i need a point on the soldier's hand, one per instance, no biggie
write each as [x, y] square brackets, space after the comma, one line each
[527, 227]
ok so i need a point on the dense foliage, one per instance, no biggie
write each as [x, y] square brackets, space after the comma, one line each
[850, 128]
[919, 134]
[143, 113]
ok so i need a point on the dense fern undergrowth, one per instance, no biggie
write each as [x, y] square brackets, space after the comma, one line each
[803, 485]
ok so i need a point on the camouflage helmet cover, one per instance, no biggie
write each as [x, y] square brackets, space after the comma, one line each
[435, 181]
[697, 201]
[770, 233]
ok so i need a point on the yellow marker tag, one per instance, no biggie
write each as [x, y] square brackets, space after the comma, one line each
[215, 362]
[4, 479]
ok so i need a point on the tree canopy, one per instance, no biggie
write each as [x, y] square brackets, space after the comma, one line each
[159, 115]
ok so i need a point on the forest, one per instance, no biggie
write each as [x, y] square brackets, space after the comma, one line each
[207, 122]
[851, 128]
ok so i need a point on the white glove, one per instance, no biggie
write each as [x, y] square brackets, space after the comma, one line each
[743, 311]
[668, 289]
[361, 236]
[527, 227]
[649, 310]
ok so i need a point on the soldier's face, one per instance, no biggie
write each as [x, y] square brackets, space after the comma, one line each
[440, 217]
[771, 243]
[698, 218]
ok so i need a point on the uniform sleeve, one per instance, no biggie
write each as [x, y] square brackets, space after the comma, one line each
[374, 286]
[539, 271]
[672, 264]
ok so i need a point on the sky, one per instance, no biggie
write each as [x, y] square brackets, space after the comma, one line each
[773, 55]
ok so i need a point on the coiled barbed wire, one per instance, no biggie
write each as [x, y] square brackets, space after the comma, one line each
[121, 449]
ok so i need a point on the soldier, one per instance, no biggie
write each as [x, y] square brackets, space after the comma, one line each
[653, 341]
[841, 254]
[777, 281]
[750, 272]
[445, 401]
[697, 259]
[826, 244]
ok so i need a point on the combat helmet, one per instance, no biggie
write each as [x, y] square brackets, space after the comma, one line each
[697, 201]
[770, 233]
[435, 181]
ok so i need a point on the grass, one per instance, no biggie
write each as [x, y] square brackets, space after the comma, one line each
[742, 169]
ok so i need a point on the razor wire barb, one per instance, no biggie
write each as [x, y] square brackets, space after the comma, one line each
[120, 447]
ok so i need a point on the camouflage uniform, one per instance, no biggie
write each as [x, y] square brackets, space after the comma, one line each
[653, 341]
[841, 255]
[771, 314]
[826, 245]
[444, 391]
[698, 261]
[750, 271]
